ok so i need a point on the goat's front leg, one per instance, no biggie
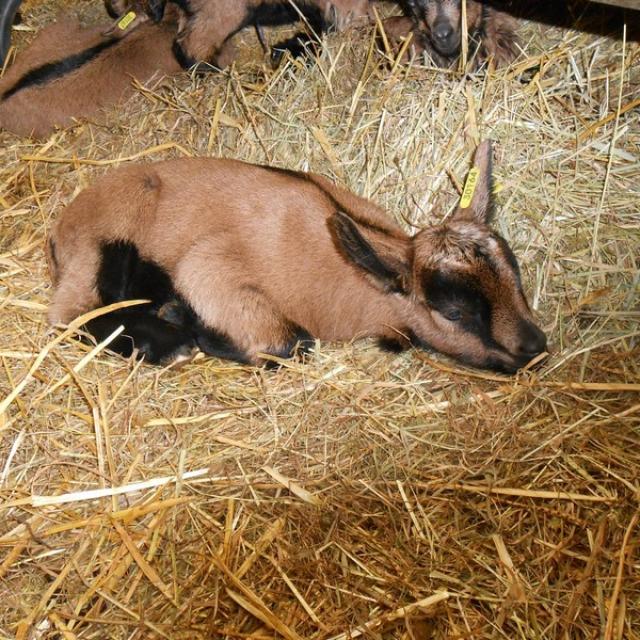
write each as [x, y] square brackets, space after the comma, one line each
[234, 316]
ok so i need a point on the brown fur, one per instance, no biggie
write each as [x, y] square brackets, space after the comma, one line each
[490, 31]
[255, 251]
[107, 79]
[207, 28]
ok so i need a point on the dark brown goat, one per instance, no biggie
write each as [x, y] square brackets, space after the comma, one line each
[71, 72]
[207, 27]
[436, 28]
[243, 260]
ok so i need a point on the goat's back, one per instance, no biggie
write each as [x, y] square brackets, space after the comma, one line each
[267, 225]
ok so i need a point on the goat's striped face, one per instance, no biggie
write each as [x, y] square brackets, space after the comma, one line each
[441, 20]
[459, 282]
[467, 281]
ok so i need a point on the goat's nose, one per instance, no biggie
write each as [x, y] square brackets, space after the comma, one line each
[442, 31]
[532, 340]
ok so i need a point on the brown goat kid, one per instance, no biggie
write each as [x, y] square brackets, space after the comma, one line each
[242, 260]
[436, 28]
[71, 72]
[207, 27]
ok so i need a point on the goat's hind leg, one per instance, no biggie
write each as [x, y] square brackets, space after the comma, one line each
[156, 340]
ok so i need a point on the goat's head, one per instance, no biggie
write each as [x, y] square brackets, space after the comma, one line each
[441, 21]
[143, 9]
[459, 281]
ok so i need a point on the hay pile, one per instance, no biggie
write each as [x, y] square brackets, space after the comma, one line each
[359, 494]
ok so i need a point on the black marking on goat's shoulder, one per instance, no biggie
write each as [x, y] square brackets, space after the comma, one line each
[53, 70]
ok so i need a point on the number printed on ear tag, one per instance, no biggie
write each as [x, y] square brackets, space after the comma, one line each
[469, 187]
[126, 20]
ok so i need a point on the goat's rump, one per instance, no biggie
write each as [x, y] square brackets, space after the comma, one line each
[70, 72]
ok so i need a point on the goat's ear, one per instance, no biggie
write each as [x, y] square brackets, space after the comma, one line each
[476, 203]
[383, 256]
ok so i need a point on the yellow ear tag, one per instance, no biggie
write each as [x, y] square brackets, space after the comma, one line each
[126, 20]
[469, 187]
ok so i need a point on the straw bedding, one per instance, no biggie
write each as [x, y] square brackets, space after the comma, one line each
[359, 493]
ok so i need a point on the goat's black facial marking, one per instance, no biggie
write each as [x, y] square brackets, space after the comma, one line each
[459, 299]
[445, 35]
[532, 340]
[52, 70]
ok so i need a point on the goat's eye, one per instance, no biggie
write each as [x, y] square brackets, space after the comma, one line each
[453, 315]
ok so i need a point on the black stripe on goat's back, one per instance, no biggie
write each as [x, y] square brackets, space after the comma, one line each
[52, 70]
[291, 173]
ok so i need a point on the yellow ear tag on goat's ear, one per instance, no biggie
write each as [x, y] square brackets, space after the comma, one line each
[469, 187]
[126, 20]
